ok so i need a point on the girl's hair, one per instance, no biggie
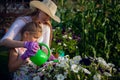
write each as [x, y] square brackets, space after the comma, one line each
[31, 27]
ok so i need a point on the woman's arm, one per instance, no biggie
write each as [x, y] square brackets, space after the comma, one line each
[12, 33]
[12, 43]
[51, 32]
[14, 62]
[46, 37]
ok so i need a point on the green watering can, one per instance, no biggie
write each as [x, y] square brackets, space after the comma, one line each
[40, 57]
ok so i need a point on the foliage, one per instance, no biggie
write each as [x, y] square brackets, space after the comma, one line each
[65, 39]
[97, 24]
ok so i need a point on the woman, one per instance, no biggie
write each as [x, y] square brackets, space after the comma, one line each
[40, 12]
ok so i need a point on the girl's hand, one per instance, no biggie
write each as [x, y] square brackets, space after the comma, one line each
[28, 53]
[52, 57]
[31, 46]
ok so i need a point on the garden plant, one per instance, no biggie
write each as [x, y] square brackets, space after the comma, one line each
[89, 28]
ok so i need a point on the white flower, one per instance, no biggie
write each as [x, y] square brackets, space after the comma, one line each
[114, 69]
[76, 47]
[107, 74]
[64, 36]
[71, 62]
[62, 62]
[70, 38]
[97, 76]
[60, 77]
[59, 43]
[102, 62]
[76, 59]
[61, 58]
[86, 71]
[64, 45]
[75, 68]
[69, 28]
[54, 39]
[111, 65]
[36, 78]
[86, 31]
[66, 58]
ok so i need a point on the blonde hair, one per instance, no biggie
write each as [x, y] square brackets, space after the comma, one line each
[32, 27]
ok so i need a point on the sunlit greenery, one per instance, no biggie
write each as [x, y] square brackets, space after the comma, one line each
[96, 22]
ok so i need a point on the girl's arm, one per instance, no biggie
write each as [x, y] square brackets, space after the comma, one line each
[14, 62]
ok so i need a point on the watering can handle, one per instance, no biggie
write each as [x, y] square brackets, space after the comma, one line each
[42, 44]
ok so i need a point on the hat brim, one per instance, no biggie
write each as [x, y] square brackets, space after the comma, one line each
[42, 7]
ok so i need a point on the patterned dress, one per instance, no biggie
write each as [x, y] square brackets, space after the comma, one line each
[26, 71]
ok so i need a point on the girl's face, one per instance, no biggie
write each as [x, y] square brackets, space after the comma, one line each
[31, 36]
[43, 17]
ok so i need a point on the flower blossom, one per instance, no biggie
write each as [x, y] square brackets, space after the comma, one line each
[97, 76]
[60, 77]
[75, 68]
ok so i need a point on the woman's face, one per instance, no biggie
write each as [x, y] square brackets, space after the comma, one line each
[43, 17]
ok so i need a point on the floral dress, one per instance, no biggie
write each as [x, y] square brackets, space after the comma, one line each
[26, 71]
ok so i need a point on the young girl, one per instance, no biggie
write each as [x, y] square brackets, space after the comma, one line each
[19, 63]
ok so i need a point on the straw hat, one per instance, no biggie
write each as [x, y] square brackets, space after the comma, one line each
[46, 6]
